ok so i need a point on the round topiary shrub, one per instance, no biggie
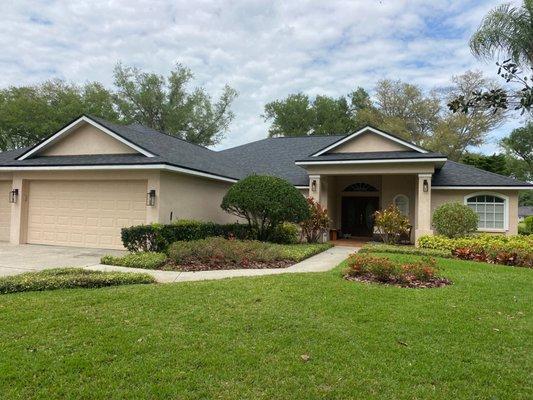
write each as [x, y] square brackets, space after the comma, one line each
[454, 220]
[265, 202]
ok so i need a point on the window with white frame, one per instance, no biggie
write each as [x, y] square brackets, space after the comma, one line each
[401, 202]
[491, 210]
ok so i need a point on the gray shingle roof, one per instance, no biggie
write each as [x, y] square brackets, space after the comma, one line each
[525, 211]
[456, 174]
[272, 156]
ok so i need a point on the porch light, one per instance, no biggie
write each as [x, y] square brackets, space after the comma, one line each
[313, 185]
[150, 198]
[13, 196]
[425, 186]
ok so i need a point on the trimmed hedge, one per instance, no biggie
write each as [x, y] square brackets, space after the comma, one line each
[385, 248]
[157, 237]
[454, 220]
[146, 260]
[68, 278]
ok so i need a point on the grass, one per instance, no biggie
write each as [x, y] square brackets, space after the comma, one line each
[68, 278]
[401, 249]
[244, 339]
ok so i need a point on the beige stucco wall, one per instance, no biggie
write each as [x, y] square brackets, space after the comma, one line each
[189, 197]
[369, 141]
[85, 140]
[440, 197]
[372, 169]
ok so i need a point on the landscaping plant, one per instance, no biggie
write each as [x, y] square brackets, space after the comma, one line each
[317, 223]
[454, 220]
[421, 273]
[69, 278]
[146, 260]
[391, 224]
[396, 249]
[265, 202]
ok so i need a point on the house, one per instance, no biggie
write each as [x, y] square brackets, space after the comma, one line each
[82, 184]
[523, 212]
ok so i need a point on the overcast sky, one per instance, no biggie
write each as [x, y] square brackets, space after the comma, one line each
[263, 49]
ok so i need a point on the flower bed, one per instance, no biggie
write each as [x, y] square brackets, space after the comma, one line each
[495, 249]
[420, 274]
[217, 253]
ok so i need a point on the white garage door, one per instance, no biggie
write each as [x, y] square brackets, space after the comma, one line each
[5, 211]
[84, 213]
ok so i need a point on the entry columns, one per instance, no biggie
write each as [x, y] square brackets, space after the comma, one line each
[423, 206]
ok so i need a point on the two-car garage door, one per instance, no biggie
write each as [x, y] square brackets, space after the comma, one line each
[84, 213]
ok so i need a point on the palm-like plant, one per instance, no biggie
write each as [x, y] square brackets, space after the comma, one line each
[506, 31]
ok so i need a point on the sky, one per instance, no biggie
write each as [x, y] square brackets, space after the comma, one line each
[264, 49]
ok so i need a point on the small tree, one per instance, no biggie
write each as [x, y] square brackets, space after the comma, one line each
[391, 224]
[265, 202]
[454, 220]
[316, 224]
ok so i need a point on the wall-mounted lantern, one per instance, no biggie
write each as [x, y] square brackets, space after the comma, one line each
[13, 196]
[425, 186]
[313, 185]
[150, 198]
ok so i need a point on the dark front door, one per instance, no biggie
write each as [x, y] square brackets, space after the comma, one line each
[357, 215]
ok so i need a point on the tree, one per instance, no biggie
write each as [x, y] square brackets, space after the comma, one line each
[520, 144]
[405, 110]
[506, 32]
[496, 163]
[265, 202]
[456, 132]
[30, 113]
[290, 117]
[166, 105]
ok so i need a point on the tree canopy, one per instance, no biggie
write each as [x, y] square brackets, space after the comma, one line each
[29, 113]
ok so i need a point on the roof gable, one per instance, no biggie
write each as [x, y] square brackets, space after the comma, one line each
[369, 139]
[84, 136]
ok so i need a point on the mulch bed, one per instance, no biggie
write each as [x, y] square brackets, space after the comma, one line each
[414, 284]
[216, 266]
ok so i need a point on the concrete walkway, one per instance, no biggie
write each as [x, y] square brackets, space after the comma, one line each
[324, 261]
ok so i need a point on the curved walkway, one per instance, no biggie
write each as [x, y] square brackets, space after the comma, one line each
[318, 263]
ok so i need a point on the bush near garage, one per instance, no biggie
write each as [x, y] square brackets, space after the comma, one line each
[69, 278]
[454, 220]
[497, 249]
[146, 260]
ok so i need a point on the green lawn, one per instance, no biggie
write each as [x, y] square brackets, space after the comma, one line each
[244, 338]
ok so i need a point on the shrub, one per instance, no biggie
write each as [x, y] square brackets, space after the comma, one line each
[265, 202]
[317, 222]
[146, 260]
[285, 233]
[497, 249]
[454, 220]
[528, 223]
[157, 237]
[391, 224]
[386, 248]
[383, 270]
[222, 251]
[67, 278]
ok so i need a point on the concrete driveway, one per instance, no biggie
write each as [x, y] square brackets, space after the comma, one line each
[16, 259]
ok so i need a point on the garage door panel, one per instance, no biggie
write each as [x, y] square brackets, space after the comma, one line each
[86, 214]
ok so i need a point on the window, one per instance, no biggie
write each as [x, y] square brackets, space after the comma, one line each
[491, 210]
[401, 202]
[360, 187]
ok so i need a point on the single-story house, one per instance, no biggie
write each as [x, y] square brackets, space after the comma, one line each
[82, 184]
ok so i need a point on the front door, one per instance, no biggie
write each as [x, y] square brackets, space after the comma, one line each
[357, 215]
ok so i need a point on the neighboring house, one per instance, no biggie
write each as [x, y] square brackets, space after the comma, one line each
[524, 211]
[82, 184]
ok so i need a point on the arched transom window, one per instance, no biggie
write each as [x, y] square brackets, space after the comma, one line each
[360, 187]
[490, 208]
[401, 202]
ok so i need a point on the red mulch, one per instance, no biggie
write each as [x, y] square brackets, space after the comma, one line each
[414, 284]
[217, 266]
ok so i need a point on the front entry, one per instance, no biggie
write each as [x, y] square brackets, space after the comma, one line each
[357, 215]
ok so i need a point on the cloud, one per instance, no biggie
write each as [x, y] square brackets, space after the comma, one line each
[265, 49]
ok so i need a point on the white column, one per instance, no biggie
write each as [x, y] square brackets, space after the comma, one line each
[423, 206]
